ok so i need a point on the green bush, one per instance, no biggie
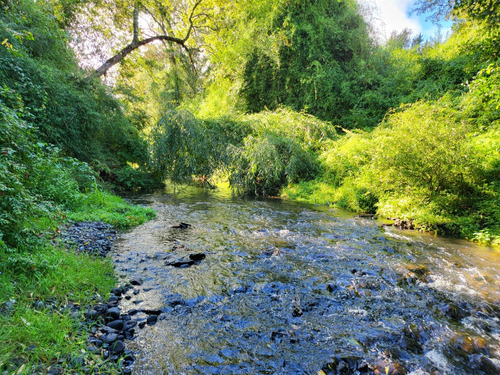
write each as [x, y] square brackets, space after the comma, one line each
[265, 164]
[130, 179]
[36, 182]
[429, 163]
[182, 148]
[426, 148]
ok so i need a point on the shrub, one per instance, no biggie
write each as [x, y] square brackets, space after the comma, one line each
[265, 164]
[426, 148]
[181, 147]
[35, 181]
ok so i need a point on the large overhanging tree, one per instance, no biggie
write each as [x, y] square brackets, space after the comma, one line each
[142, 22]
[165, 25]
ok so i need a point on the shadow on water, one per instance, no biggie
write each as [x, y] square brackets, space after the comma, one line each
[287, 288]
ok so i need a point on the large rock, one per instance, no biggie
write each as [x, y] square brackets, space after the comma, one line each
[187, 261]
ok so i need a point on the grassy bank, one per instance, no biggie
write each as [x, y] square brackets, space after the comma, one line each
[433, 165]
[38, 286]
[41, 282]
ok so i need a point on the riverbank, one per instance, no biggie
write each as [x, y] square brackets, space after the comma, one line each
[47, 291]
[462, 225]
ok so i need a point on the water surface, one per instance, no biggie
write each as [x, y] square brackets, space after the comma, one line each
[288, 288]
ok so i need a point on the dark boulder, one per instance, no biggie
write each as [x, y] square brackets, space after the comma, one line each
[187, 261]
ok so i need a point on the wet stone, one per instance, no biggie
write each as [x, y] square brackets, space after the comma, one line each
[136, 282]
[117, 347]
[107, 329]
[112, 300]
[113, 312]
[486, 365]
[388, 368]
[110, 337]
[92, 314]
[187, 261]
[454, 311]
[116, 324]
[130, 325]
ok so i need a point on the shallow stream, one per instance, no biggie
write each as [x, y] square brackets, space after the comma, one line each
[287, 288]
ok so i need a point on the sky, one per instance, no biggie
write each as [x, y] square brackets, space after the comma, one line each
[393, 15]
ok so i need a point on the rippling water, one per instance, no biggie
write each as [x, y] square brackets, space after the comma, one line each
[287, 288]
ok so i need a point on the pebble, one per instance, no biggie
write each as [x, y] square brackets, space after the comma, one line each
[116, 324]
[113, 312]
[110, 338]
[152, 319]
[91, 237]
[117, 347]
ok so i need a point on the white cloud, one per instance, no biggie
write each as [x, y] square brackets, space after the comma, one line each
[386, 16]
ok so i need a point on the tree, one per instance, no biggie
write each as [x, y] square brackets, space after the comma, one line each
[481, 10]
[321, 49]
[486, 12]
[138, 42]
[174, 22]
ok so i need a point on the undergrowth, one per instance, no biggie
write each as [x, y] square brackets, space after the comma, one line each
[433, 164]
[41, 189]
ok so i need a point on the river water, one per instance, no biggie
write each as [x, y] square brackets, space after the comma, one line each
[288, 288]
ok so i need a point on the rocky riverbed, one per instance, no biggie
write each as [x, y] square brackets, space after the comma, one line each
[273, 287]
[107, 326]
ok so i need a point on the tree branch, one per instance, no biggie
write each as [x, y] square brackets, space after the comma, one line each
[133, 46]
[188, 34]
[135, 26]
[136, 43]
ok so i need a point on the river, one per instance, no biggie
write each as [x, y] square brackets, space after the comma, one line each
[288, 288]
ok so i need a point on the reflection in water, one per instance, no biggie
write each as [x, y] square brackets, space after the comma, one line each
[287, 288]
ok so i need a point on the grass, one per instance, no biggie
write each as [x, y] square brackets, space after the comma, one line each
[314, 192]
[424, 216]
[111, 209]
[36, 331]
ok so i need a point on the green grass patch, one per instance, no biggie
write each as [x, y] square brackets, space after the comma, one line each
[111, 209]
[35, 336]
[314, 192]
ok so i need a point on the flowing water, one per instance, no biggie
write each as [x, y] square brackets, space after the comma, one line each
[287, 288]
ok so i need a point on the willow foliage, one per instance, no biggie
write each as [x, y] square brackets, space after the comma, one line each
[182, 148]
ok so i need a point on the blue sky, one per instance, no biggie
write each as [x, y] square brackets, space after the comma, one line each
[393, 15]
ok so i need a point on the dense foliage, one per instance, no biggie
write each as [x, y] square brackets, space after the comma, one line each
[41, 80]
[60, 132]
[320, 64]
[439, 168]
[277, 97]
